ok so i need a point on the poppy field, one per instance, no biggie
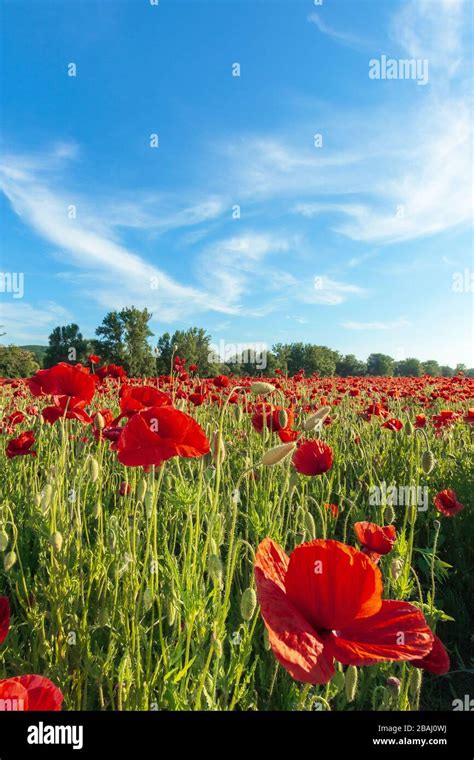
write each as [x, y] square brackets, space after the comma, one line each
[235, 543]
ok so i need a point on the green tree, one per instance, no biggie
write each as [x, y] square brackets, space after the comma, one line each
[66, 344]
[124, 341]
[408, 368]
[431, 367]
[17, 362]
[350, 366]
[193, 344]
[380, 364]
[446, 371]
[111, 343]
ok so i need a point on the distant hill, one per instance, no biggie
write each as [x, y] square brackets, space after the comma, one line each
[38, 351]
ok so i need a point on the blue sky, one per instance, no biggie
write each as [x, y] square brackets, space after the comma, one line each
[354, 243]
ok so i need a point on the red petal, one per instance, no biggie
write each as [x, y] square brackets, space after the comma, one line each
[42, 693]
[437, 661]
[398, 631]
[294, 642]
[4, 617]
[333, 584]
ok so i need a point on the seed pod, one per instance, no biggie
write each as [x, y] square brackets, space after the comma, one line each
[396, 568]
[217, 447]
[99, 422]
[412, 513]
[171, 612]
[56, 541]
[389, 514]
[316, 418]
[427, 462]
[8, 561]
[350, 682]
[409, 427]
[309, 525]
[141, 489]
[248, 603]
[3, 540]
[93, 469]
[338, 680]
[414, 681]
[261, 388]
[278, 454]
[214, 567]
[37, 500]
[149, 502]
[283, 418]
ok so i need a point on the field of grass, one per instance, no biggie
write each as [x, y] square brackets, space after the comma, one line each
[129, 586]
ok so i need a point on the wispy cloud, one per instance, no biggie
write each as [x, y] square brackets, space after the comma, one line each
[342, 37]
[25, 323]
[369, 326]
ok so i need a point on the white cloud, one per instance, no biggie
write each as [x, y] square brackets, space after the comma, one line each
[24, 323]
[395, 325]
[344, 38]
[330, 292]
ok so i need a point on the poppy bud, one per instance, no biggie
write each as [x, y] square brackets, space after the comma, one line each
[147, 599]
[238, 413]
[217, 646]
[214, 567]
[141, 489]
[350, 682]
[393, 683]
[93, 469]
[262, 388]
[171, 612]
[436, 524]
[338, 680]
[277, 454]
[37, 499]
[409, 427]
[427, 462]
[309, 525]
[46, 497]
[412, 512]
[283, 418]
[319, 416]
[3, 540]
[396, 568]
[149, 502]
[266, 640]
[56, 541]
[217, 447]
[389, 514]
[414, 681]
[8, 561]
[99, 422]
[248, 603]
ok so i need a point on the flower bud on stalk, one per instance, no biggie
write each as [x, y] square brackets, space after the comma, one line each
[248, 603]
[141, 489]
[3, 540]
[8, 561]
[277, 454]
[351, 678]
[414, 681]
[409, 427]
[310, 525]
[396, 568]
[283, 418]
[214, 567]
[238, 413]
[149, 502]
[217, 447]
[99, 422]
[339, 680]
[111, 540]
[389, 514]
[46, 497]
[262, 388]
[427, 462]
[93, 469]
[316, 418]
[56, 541]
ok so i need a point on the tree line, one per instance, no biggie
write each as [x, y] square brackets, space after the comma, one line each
[124, 338]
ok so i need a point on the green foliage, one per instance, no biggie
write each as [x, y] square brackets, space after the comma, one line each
[380, 364]
[124, 341]
[66, 344]
[16, 361]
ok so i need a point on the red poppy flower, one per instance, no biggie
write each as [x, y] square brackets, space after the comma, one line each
[93, 359]
[469, 417]
[393, 424]
[375, 539]
[312, 457]
[221, 381]
[420, 421]
[269, 416]
[437, 661]
[286, 435]
[64, 380]
[4, 617]
[124, 489]
[193, 367]
[196, 398]
[157, 434]
[33, 693]
[133, 400]
[333, 508]
[324, 602]
[447, 503]
[21, 446]
[111, 370]
[72, 409]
